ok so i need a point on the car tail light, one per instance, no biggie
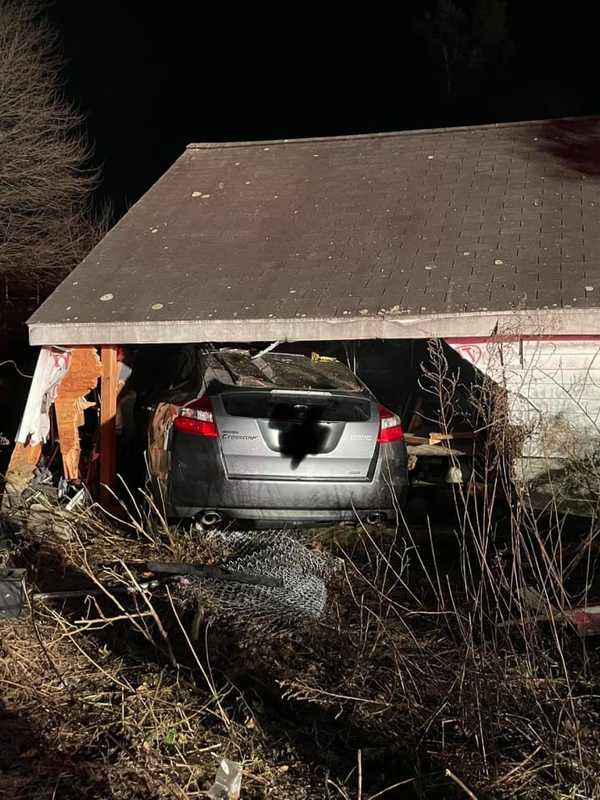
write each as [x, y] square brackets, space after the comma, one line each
[390, 426]
[197, 418]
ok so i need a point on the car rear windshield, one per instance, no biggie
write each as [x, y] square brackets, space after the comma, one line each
[284, 371]
[295, 407]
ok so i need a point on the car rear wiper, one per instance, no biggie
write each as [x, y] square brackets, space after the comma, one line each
[233, 375]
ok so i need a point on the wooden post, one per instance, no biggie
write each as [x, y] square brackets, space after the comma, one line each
[108, 413]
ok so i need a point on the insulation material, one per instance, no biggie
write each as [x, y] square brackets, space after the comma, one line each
[52, 366]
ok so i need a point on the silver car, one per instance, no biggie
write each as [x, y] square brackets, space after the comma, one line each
[275, 438]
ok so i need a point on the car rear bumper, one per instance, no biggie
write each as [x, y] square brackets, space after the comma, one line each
[198, 482]
[274, 517]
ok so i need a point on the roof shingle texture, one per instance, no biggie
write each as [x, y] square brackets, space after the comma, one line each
[445, 221]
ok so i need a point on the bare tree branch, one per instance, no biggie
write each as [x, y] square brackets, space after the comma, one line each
[45, 183]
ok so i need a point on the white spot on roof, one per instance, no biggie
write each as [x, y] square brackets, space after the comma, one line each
[157, 306]
[205, 196]
[466, 253]
[237, 163]
[498, 261]
[106, 297]
[429, 157]
[266, 148]
[247, 183]
[587, 288]
[70, 307]
[75, 283]
[315, 155]
[430, 266]
[196, 194]
[292, 291]
[154, 230]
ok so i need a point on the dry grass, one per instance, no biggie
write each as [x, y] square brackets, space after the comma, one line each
[107, 698]
[415, 669]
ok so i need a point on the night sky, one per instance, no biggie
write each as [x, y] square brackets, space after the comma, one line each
[150, 80]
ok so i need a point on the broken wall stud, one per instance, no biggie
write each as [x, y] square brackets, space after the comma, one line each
[70, 404]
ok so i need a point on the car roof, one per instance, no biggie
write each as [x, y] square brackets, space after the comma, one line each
[278, 370]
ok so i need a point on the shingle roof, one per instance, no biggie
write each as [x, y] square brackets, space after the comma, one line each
[401, 234]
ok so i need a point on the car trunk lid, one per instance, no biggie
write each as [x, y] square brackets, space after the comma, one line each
[296, 435]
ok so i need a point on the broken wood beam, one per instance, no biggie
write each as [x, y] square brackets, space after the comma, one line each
[436, 437]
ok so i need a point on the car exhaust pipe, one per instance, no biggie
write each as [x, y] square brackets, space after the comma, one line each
[210, 518]
[374, 517]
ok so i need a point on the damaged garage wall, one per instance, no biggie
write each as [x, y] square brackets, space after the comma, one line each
[52, 365]
[70, 405]
[62, 379]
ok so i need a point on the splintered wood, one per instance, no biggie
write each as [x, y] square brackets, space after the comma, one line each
[70, 405]
[23, 461]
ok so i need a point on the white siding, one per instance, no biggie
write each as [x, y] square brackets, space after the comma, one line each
[553, 385]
